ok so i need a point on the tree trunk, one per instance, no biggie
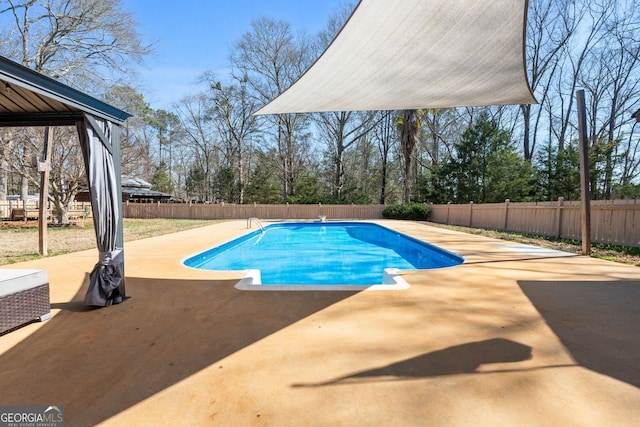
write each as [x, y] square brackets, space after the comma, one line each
[383, 183]
[408, 141]
[526, 118]
[339, 179]
[3, 179]
[24, 188]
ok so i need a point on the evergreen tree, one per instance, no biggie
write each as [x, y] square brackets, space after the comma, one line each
[263, 186]
[161, 180]
[307, 190]
[559, 171]
[226, 185]
[485, 168]
[196, 184]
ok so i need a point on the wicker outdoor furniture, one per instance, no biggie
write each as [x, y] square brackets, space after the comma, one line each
[24, 297]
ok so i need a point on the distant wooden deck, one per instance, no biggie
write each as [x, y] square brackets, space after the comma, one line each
[20, 214]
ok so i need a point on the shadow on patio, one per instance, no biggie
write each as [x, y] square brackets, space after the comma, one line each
[97, 363]
[596, 321]
[459, 359]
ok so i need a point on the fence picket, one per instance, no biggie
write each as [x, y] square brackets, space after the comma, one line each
[616, 222]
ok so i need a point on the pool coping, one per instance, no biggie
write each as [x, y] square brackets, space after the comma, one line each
[391, 281]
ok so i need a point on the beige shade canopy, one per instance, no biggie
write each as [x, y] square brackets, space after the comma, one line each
[414, 54]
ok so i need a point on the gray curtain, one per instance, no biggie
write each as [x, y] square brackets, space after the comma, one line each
[100, 143]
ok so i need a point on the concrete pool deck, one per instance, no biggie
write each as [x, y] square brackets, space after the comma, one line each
[516, 336]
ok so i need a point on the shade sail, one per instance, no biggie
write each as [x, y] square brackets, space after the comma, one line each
[414, 54]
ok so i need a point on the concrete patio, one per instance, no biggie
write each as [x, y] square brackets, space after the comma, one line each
[516, 336]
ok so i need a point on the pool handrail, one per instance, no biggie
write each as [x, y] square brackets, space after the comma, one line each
[251, 220]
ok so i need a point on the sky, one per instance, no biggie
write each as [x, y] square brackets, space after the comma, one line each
[194, 36]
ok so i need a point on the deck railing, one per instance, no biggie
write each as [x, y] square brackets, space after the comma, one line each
[25, 210]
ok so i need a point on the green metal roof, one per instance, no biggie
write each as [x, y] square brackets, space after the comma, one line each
[28, 98]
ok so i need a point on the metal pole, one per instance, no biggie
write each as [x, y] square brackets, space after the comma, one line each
[585, 195]
[117, 158]
[43, 167]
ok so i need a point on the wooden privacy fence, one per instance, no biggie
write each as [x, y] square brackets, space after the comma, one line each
[612, 221]
[232, 211]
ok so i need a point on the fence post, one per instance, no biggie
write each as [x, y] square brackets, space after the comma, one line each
[471, 214]
[448, 206]
[559, 210]
[506, 214]
[585, 191]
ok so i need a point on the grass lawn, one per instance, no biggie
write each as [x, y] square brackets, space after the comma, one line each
[19, 240]
[622, 254]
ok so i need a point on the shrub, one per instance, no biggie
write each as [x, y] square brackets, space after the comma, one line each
[412, 211]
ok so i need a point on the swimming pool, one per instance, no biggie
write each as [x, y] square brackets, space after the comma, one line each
[324, 253]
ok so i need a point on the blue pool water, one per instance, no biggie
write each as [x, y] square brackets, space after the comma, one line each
[324, 253]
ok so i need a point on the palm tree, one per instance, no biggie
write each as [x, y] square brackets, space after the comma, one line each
[409, 125]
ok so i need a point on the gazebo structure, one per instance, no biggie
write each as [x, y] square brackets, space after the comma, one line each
[27, 99]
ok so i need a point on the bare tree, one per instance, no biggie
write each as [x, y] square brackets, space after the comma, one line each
[135, 135]
[19, 147]
[612, 85]
[549, 29]
[67, 174]
[342, 130]
[5, 137]
[82, 42]
[593, 47]
[591, 18]
[441, 127]
[85, 43]
[231, 113]
[270, 58]
[386, 136]
[202, 140]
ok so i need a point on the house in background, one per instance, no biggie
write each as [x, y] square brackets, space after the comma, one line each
[139, 191]
[134, 190]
